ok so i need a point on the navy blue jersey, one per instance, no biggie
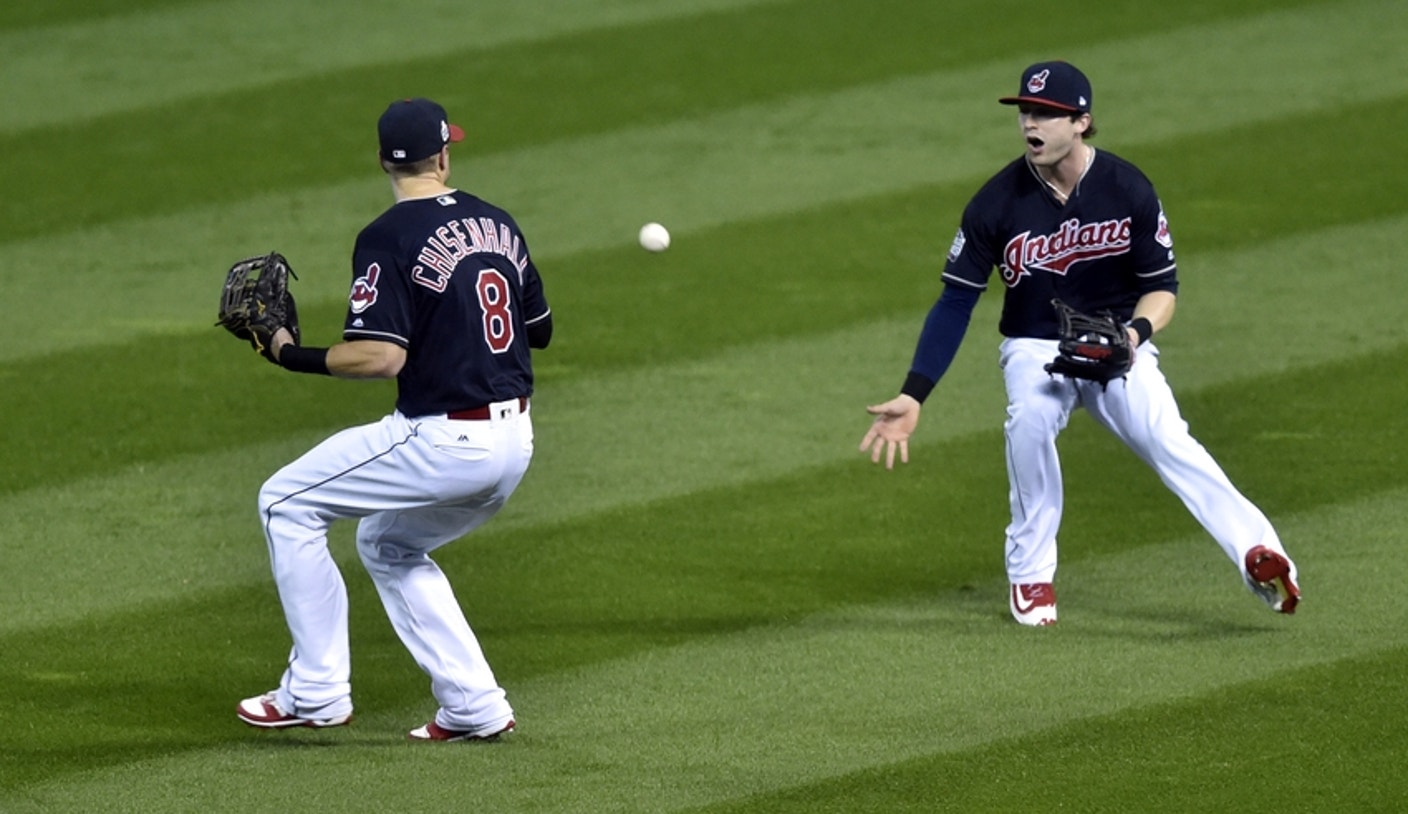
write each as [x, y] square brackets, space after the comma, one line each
[450, 280]
[1100, 251]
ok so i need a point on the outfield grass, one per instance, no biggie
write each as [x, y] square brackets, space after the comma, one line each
[703, 598]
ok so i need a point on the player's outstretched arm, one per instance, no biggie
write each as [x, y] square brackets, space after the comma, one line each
[895, 421]
[355, 359]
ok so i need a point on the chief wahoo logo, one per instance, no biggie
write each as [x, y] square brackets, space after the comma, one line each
[364, 289]
[1038, 81]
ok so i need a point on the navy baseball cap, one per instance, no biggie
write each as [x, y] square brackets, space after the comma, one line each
[412, 129]
[1053, 84]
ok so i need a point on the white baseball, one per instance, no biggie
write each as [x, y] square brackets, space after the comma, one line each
[654, 237]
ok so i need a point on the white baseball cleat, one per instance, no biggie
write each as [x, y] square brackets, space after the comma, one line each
[264, 712]
[1272, 577]
[1034, 604]
[435, 732]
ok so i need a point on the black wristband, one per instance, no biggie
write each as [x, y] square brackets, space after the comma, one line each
[304, 360]
[1143, 327]
[917, 387]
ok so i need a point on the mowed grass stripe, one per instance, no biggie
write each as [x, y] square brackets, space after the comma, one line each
[1329, 735]
[671, 66]
[715, 564]
[851, 689]
[740, 412]
[936, 128]
[696, 175]
[863, 686]
[676, 506]
[151, 58]
[17, 16]
[156, 53]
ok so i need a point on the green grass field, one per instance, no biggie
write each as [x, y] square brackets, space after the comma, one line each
[703, 598]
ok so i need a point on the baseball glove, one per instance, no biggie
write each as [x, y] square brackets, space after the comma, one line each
[256, 302]
[1091, 347]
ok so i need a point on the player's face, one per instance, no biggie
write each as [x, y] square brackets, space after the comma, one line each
[1049, 133]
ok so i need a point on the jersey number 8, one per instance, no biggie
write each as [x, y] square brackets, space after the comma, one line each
[493, 291]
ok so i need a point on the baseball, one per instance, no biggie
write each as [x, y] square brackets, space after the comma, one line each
[654, 237]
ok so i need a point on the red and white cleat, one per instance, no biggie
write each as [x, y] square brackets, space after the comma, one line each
[1272, 577]
[264, 712]
[435, 732]
[1034, 604]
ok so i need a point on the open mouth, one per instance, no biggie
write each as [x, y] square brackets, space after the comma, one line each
[1035, 142]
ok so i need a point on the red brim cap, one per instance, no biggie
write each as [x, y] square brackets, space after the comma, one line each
[1037, 100]
[456, 134]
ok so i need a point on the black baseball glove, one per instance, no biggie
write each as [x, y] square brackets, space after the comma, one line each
[256, 302]
[1092, 347]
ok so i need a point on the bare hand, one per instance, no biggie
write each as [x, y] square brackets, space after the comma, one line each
[894, 423]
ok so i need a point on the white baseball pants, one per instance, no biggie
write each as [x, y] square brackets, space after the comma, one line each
[415, 485]
[1140, 410]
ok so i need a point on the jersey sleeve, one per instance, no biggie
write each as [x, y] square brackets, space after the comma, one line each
[1151, 245]
[535, 302]
[379, 304]
[970, 258]
[939, 340]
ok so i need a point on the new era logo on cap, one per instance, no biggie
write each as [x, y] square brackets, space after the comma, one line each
[413, 129]
[1054, 84]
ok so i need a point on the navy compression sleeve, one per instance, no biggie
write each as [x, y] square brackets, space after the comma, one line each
[938, 342]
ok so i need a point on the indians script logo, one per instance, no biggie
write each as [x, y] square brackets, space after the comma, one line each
[364, 289]
[1038, 81]
[1071, 243]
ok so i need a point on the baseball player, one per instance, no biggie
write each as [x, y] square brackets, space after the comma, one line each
[446, 299]
[1067, 221]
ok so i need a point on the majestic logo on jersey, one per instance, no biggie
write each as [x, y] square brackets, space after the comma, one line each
[1072, 242]
[1038, 81]
[364, 289]
[459, 239]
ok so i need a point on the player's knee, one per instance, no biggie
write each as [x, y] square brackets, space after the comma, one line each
[270, 498]
[277, 502]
